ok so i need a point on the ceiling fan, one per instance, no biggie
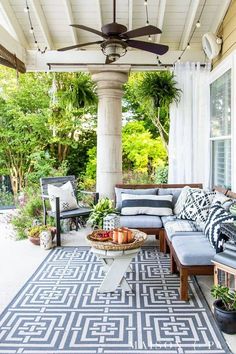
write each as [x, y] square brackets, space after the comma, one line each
[116, 39]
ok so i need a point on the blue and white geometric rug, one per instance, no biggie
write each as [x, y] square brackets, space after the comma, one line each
[59, 311]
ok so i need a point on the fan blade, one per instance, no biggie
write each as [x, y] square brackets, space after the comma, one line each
[142, 31]
[148, 47]
[78, 46]
[89, 29]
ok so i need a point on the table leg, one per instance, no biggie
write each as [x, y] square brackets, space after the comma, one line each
[115, 275]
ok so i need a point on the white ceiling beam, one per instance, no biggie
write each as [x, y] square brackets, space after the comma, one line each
[160, 17]
[38, 11]
[99, 9]
[12, 45]
[219, 16]
[69, 60]
[189, 23]
[14, 24]
[71, 21]
[130, 15]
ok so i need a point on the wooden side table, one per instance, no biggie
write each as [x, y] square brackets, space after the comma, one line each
[226, 261]
[229, 271]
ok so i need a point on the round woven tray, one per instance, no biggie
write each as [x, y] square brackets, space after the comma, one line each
[139, 239]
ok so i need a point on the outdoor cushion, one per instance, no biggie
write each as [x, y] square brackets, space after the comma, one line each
[71, 213]
[141, 221]
[197, 205]
[173, 191]
[217, 215]
[119, 191]
[136, 204]
[166, 219]
[178, 227]
[193, 250]
[66, 197]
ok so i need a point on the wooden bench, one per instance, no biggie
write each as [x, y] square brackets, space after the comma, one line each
[158, 232]
[186, 271]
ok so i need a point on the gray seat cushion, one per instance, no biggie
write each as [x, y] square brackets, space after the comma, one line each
[71, 213]
[118, 191]
[166, 219]
[180, 227]
[171, 191]
[193, 250]
[141, 221]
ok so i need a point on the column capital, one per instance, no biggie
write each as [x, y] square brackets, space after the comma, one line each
[109, 76]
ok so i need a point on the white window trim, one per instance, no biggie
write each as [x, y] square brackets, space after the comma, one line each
[225, 65]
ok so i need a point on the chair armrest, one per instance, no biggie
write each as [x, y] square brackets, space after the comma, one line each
[95, 195]
[44, 196]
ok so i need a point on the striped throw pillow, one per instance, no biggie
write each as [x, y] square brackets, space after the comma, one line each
[160, 205]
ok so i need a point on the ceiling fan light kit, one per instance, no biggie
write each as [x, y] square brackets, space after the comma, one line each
[116, 39]
[114, 49]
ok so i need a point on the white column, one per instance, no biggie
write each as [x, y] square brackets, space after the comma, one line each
[109, 82]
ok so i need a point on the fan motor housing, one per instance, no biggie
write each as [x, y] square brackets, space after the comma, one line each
[113, 29]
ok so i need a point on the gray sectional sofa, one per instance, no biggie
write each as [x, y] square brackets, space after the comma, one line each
[190, 251]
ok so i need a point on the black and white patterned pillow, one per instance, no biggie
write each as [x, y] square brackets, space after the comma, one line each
[197, 205]
[217, 215]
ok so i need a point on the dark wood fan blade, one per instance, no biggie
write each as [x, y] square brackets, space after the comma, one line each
[148, 47]
[89, 29]
[78, 46]
[142, 31]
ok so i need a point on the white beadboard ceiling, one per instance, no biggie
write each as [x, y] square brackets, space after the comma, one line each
[51, 19]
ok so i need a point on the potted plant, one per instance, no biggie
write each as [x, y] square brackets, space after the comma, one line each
[35, 231]
[99, 211]
[225, 308]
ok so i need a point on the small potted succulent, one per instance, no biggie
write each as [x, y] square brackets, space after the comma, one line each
[99, 211]
[35, 231]
[225, 308]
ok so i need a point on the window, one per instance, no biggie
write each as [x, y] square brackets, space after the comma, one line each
[220, 126]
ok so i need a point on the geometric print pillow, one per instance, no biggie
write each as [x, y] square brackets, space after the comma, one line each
[217, 215]
[197, 205]
[66, 197]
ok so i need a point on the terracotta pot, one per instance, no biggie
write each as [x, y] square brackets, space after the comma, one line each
[34, 240]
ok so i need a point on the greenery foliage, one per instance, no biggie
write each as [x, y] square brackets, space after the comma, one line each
[99, 211]
[227, 296]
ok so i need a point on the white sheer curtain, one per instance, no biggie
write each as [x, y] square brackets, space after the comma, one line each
[189, 146]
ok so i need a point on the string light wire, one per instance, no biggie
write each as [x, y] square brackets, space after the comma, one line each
[27, 10]
[192, 34]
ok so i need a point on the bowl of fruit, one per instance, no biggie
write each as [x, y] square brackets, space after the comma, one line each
[101, 235]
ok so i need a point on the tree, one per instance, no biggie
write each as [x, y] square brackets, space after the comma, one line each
[74, 105]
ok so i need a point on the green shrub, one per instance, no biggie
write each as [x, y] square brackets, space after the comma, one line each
[162, 175]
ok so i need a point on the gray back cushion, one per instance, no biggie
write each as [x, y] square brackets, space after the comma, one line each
[171, 191]
[119, 191]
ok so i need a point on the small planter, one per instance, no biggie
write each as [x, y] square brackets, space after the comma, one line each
[226, 320]
[34, 240]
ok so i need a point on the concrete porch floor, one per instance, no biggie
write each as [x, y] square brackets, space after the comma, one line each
[19, 260]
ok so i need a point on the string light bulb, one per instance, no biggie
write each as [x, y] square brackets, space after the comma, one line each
[31, 30]
[26, 9]
[188, 46]
[198, 24]
[149, 38]
[145, 2]
[147, 23]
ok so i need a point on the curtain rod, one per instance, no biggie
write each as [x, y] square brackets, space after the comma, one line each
[99, 64]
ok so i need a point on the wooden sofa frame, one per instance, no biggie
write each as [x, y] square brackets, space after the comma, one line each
[158, 232]
[186, 271]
